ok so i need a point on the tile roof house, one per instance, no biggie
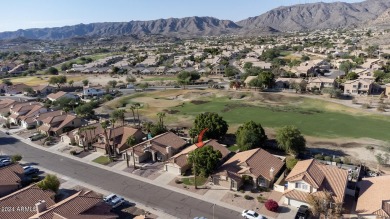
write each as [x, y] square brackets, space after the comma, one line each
[83, 204]
[159, 148]
[61, 94]
[374, 197]
[93, 136]
[16, 89]
[286, 83]
[313, 177]
[24, 198]
[5, 104]
[11, 178]
[258, 164]
[56, 125]
[37, 119]
[43, 89]
[23, 110]
[320, 83]
[358, 86]
[177, 164]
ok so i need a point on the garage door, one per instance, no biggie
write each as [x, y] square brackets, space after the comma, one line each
[295, 203]
[172, 169]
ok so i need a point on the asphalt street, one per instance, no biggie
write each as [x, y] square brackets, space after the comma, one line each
[173, 203]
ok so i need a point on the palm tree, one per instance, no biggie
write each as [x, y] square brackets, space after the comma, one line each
[132, 108]
[107, 145]
[137, 106]
[113, 150]
[121, 116]
[131, 141]
[161, 118]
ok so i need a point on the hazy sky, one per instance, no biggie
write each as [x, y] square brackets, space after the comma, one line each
[22, 14]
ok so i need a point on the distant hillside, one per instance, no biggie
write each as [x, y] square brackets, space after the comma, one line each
[382, 20]
[291, 18]
[318, 16]
[189, 26]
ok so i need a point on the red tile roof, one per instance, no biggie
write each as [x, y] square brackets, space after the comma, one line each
[322, 177]
[257, 162]
[76, 205]
[374, 196]
[26, 197]
[11, 175]
[57, 95]
[307, 171]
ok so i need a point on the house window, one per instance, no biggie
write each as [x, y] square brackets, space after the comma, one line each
[300, 185]
[354, 86]
[365, 86]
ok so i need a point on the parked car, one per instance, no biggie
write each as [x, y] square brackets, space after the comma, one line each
[28, 170]
[372, 173]
[116, 202]
[5, 158]
[303, 212]
[248, 214]
[109, 198]
[5, 163]
[36, 137]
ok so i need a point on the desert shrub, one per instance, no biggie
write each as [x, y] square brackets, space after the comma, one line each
[178, 181]
[248, 197]
[73, 152]
[366, 106]
[319, 157]
[15, 158]
[337, 160]
[347, 160]
[260, 199]
[354, 101]
[271, 205]
[242, 191]
[328, 158]
[381, 108]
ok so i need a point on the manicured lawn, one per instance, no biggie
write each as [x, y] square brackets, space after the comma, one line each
[200, 181]
[104, 160]
[313, 121]
[233, 148]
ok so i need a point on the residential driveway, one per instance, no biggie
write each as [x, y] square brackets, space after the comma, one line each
[148, 170]
[287, 212]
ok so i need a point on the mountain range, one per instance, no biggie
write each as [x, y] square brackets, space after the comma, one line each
[282, 19]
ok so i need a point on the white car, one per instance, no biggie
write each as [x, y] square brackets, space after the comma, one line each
[4, 163]
[248, 214]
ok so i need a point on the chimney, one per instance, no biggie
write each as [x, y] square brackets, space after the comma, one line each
[40, 206]
[169, 151]
[271, 173]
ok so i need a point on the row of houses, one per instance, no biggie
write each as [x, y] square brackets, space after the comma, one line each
[32, 202]
[49, 91]
[36, 115]
[360, 86]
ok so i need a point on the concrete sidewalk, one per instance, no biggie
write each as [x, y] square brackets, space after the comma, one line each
[92, 156]
[211, 200]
